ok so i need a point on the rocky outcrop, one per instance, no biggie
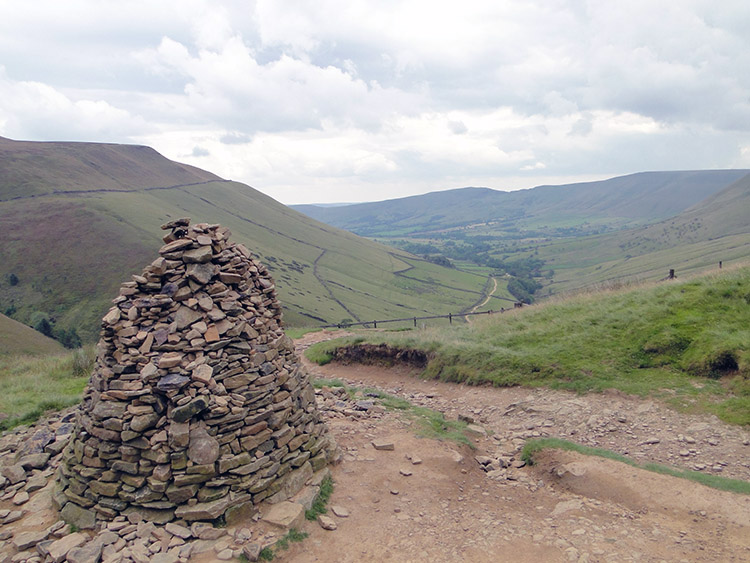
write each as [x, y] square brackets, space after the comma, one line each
[198, 408]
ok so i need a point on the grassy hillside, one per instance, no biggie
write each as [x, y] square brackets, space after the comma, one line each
[714, 230]
[34, 168]
[627, 200]
[69, 250]
[557, 238]
[685, 341]
[18, 339]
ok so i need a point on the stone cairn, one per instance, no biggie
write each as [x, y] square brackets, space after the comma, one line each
[197, 408]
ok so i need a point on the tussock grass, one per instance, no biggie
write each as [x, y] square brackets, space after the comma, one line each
[319, 505]
[533, 447]
[686, 341]
[31, 386]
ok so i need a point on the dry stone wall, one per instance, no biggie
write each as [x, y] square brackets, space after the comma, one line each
[197, 408]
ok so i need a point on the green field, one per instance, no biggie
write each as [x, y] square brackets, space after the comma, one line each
[687, 342]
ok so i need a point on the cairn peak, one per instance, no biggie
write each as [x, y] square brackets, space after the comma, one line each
[198, 405]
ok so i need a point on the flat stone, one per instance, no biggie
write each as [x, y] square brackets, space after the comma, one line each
[201, 273]
[179, 434]
[59, 549]
[211, 334]
[21, 497]
[382, 444]
[172, 382]
[79, 517]
[186, 412]
[175, 245]
[25, 540]
[14, 473]
[203, 449]
[286, 515]
[170, 360]
[179, 531]
[90, 552]
[340, 511]
[34, 461]
[199, 255]
[185, 316]
[326, 522]
[112, 316]
[202, 373]
[109, 409]
[143, 422]
[205, 531]
[203, 510]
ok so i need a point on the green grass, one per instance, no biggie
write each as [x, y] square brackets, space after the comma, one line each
[685, 341]
[292, 536]
[30, 386]
[299, 332]
[321, 500]
[534, 446]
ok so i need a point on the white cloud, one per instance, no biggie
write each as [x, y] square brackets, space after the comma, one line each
[37, 110]
[349, 101]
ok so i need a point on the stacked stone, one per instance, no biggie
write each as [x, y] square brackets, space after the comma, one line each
[197, 407]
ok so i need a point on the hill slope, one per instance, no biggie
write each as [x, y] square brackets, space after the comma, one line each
[17, 338]
[71, 248]
[717, 229]
[627, 200]
[686, 340]
[32, 168]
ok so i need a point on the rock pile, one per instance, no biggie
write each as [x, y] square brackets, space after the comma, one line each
[197, 408]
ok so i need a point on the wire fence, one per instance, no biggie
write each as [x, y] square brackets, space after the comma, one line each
[449, 316]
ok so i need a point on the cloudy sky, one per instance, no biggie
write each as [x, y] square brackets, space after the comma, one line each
[361, 100]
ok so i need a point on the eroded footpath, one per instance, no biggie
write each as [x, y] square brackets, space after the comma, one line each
[459, 504]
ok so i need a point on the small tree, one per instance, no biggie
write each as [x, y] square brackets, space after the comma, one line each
[12, 279]
[68, 338]
[44, 326]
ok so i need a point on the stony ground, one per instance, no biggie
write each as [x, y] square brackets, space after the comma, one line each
[459, 504]
[425, 500]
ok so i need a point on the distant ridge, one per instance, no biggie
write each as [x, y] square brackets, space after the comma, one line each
[32, 168]
[630, 200]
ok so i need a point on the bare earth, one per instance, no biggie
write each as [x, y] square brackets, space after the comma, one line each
[433, 501]
[565, 508]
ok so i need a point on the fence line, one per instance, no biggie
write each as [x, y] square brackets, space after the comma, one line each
[449, 316]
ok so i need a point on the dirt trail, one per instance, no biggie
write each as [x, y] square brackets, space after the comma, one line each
[566, 508]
